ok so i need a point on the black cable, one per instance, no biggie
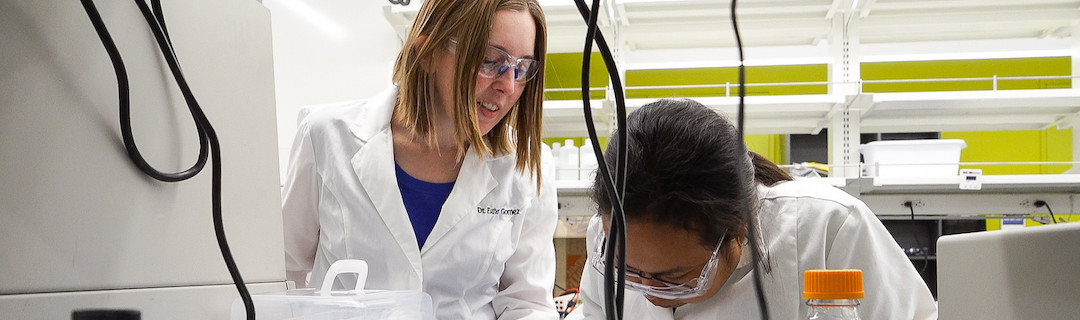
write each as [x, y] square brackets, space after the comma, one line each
[751, 224]
[207, 136]
[915, 234]
[614, 280]
[1040, 203]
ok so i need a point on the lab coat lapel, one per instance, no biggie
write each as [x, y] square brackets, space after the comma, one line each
[374, 167]
[474, 182]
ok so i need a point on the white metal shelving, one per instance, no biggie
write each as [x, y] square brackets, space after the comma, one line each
[938, 197]
[650, 34]
[655, 34]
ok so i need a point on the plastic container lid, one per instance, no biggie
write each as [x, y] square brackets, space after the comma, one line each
[833, 284]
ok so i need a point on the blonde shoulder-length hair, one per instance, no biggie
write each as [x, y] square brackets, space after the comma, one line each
[468, 22]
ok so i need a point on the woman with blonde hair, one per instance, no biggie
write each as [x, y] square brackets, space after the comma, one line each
[440, 183]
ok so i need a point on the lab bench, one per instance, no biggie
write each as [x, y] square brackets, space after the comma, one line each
[938, 207]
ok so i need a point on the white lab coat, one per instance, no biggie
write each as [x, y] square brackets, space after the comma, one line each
[805, 225]
[490, 254]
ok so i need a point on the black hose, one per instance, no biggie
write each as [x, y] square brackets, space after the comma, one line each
[614, 279]
[751, 223]
[208, 140]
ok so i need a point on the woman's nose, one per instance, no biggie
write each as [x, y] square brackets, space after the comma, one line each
[505, 82]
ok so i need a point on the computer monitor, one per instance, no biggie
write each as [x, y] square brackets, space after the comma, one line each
[1029, 273]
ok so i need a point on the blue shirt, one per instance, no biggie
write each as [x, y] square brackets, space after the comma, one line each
[423, 202]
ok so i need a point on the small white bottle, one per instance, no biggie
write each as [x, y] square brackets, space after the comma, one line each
[588, 161]
[568, 161]
[555, 152]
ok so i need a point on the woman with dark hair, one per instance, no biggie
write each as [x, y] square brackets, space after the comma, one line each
[688, 183]
[436, 182]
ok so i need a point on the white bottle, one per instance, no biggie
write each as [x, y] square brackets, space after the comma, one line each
[568, 161]
[588, 161]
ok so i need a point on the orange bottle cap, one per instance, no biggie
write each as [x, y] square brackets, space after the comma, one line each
[833, 284]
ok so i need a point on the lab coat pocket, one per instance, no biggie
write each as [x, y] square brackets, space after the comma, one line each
[497, 247]
[503, 247]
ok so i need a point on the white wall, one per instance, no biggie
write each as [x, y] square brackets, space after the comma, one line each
[327, 51]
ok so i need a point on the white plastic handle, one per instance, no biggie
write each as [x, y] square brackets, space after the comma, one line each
[345, 266]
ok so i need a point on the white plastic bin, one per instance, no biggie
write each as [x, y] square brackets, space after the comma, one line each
[323, 304]
[912, 158]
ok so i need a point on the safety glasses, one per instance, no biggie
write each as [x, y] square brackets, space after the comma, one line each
[664, 290]
[497, 62]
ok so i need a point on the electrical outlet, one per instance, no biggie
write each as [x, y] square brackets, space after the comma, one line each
[563, 302]
[914, 203]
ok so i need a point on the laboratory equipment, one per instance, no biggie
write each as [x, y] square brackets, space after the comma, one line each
[1012, 274]
[349, 304]
[83, 228]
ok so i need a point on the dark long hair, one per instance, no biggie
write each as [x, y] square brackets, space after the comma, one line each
[684, 161]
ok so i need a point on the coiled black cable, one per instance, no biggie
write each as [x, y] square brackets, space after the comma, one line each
[208, 140]
[614, 279]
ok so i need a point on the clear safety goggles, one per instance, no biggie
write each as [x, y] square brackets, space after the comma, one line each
[664, 290]
[497, 62]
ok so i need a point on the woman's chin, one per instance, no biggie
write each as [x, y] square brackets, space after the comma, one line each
[664, 303]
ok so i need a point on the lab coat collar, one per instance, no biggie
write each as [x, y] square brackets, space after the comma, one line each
[376, 116]
[373, 165]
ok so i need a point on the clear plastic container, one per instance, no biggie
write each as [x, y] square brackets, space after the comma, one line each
[324, 304]
[833, 294]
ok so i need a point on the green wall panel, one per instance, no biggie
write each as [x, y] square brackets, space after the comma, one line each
[770, 146]
[729, 76]
[563, 70]
[1015, 146]
[981, 68]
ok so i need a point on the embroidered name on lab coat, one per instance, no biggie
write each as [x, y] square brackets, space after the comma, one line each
[500, 211]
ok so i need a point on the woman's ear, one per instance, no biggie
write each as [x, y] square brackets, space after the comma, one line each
[426, 63]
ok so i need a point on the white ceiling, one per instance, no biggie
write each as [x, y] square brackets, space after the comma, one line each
[696, 33]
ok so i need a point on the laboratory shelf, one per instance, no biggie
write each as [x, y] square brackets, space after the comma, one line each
[990, 183]
[938, 198]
